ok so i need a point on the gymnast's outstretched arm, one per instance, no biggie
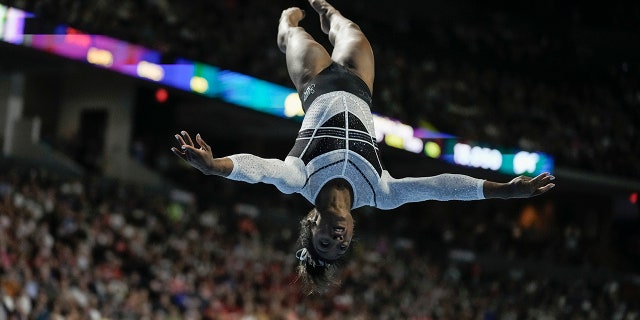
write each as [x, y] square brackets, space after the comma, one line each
[444, 187]
[288, 177]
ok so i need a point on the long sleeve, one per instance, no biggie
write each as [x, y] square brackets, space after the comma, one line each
[288, 176]
[444, 187]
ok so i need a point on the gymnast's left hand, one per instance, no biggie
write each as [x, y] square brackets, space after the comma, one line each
[525, 187]
[199, 157]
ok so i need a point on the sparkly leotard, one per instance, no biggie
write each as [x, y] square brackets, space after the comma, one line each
[337, 140]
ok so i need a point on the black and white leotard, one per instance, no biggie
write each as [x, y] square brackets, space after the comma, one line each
[337, 140]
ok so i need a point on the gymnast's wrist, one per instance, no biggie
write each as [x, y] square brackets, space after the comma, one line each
[498, 190]
[220, 167]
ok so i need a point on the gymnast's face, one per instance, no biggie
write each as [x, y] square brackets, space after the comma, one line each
[332, 234]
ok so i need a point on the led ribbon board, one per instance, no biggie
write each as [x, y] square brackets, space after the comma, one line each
[253, 93]
[454, 150]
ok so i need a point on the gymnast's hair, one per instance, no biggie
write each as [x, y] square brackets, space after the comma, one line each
[316, 274]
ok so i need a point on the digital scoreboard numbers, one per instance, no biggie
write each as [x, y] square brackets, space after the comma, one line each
[454, 150]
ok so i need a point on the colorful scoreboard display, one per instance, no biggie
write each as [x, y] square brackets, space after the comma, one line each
[253, 93]
[457, 151]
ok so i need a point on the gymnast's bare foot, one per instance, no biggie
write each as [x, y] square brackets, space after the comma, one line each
[325, 10]
[292, 15]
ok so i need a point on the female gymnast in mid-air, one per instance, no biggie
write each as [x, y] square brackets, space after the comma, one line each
[335, 162]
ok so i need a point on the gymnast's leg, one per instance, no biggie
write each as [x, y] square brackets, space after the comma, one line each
[305, 57]
[350, 46]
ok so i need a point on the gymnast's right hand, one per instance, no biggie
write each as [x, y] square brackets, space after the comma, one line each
[200, 158]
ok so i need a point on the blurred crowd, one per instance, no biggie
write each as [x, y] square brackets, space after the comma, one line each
[568, 86]
[89, 248]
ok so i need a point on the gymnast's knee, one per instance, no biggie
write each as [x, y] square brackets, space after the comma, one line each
[285, 35]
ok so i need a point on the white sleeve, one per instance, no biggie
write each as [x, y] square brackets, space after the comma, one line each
[287, 175]
[444, 187]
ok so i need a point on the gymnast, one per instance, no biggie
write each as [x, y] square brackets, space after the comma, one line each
[335, 162]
